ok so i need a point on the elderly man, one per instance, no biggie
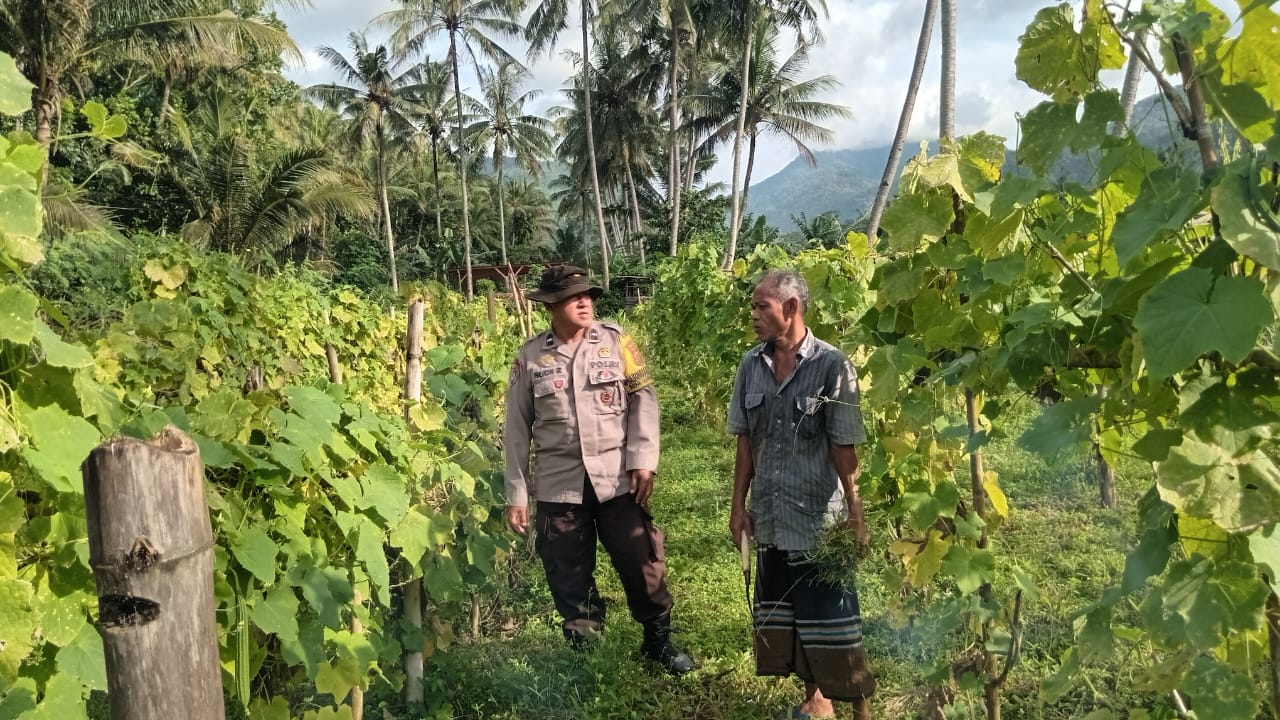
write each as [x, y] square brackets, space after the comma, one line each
[795, 412]
[581, 395]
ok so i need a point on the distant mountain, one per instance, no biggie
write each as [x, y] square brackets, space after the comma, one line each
[843, 180]
[846, 180]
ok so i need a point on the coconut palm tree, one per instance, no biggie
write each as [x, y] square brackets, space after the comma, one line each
[549, 19]
[56, 41]
[799, 15]
[674, 20]
[374, 99]
[432, 99]
[778, 102]
[245, 204]
[532, 221]
[505, 128]
[471, 25]
[626, 87]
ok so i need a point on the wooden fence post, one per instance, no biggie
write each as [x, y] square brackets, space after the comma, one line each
[413, 590]
[357, 627]
[335, 368]
[151, 549]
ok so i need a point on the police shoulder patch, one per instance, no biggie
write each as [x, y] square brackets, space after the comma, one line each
[636, 375]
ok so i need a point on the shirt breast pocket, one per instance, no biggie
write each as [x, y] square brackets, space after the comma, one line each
[550, 402]
[810, 420]
[753, 403]
[607, 397]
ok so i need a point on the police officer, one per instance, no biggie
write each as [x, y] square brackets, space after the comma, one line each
[581, 396]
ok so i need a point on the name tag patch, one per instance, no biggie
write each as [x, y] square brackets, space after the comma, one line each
[546, 372]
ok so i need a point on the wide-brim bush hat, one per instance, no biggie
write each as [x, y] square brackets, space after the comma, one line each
[563, 281]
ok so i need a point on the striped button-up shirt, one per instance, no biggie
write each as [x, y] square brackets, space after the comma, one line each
[791, 426]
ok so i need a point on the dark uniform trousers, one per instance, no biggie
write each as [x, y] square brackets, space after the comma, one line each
[566, 542]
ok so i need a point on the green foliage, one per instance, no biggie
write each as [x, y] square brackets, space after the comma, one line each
[324, 499]
[1148, 330]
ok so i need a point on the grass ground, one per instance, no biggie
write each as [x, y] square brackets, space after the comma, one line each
[521, 669]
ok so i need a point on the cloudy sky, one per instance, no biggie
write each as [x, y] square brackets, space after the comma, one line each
[869, 49]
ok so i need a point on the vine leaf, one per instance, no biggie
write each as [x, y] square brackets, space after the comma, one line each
[1050, 129]
[1059, 61]
[1204, 481]
[442, 579]
[1264, 545]
[1253, 58]
[338, 678]
[384, 492]
[1219, 691]
[17, 314]
[1241, 226]
[84, 659]
[18, 620]
[1192, 312]
[15, 90]
[59, 443]
[368, 546]
[917, 218]
[58, 352]
[1169, 198]
[970, 568]
[63, 700]
[1062, 429]
[326, 590]
[254, 549]
[1203, 601]
[277, 613]
[411, 535]
[1235, 415]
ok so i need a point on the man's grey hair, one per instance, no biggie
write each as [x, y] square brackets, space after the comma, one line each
[784, 285]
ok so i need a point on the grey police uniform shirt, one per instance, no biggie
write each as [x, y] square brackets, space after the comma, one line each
[588, 410]
[791, 426]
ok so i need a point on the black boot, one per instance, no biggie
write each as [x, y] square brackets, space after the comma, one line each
[582, 633]
[659, 648]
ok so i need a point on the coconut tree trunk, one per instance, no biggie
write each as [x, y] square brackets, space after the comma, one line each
[904, 121]
[1129, 90]
[691, 166]
[947, 107]
[591, 141]
[633, 199]
[469, 285]
[619, 238]
[751, 162]
[44, 101]
[386, 206]
[435, 174]
[745, 83]
[674, 176]
[166, 91]
[502, 216]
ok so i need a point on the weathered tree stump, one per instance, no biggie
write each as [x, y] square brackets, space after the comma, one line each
[151, 548]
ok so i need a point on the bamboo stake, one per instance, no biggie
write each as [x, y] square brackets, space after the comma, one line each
[413, 661]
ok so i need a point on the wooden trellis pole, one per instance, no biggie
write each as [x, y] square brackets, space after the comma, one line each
[151, 549]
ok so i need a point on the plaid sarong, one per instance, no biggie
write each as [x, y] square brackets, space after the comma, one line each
[808, 628]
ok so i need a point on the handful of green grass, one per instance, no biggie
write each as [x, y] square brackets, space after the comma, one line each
[835, 555]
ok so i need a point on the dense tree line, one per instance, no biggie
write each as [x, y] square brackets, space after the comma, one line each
[400, 169]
